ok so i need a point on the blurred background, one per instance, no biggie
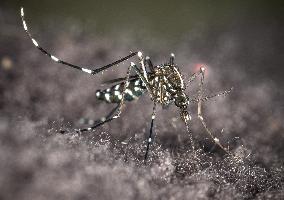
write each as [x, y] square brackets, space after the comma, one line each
[240, 42]
[254, 27]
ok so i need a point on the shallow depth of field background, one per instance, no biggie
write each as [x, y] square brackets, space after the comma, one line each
[241, 44]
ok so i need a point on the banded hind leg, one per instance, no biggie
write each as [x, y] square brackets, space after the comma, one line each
[116, 113]
[199, 111]
[150, 137]
[86, 121]
[101, 121]
[58, 60]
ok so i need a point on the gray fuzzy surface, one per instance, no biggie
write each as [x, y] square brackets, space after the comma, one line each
[39, 97]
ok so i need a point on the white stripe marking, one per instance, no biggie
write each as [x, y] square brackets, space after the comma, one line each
[35, 42]
[139, 54]
[87, 70]
[116, 93]
[216, 140]
[54, 58]
[107, 96]
[116, 87]
[25, 25]
[22, 11]
[129, 92]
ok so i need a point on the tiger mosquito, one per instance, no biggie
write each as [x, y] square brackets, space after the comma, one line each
[164, 83]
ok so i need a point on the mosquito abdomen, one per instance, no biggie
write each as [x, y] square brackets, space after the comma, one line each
[135, 89]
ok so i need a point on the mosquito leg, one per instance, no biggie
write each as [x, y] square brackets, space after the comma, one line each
[116, 111]
[185, 116]
[190, 136]
[149, 63]
[223, 93]
[101, 121]
[55, 59]
[200, 117]
[172, 59]
[150, 138]
[141, 58]
[194, 76]
[92, 122]
[120, 105]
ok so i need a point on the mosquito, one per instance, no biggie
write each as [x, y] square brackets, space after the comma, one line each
[163, 83]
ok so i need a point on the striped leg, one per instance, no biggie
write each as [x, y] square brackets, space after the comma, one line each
[54, 58]
[95, 122]
[200, 117]
[223, 93]
[101, 121]
[142, 63]
[150, 138]
[119, 107]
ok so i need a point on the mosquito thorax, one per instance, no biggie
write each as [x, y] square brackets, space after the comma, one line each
[172, 75]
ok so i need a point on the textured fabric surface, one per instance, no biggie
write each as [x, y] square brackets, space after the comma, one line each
[39, 97]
